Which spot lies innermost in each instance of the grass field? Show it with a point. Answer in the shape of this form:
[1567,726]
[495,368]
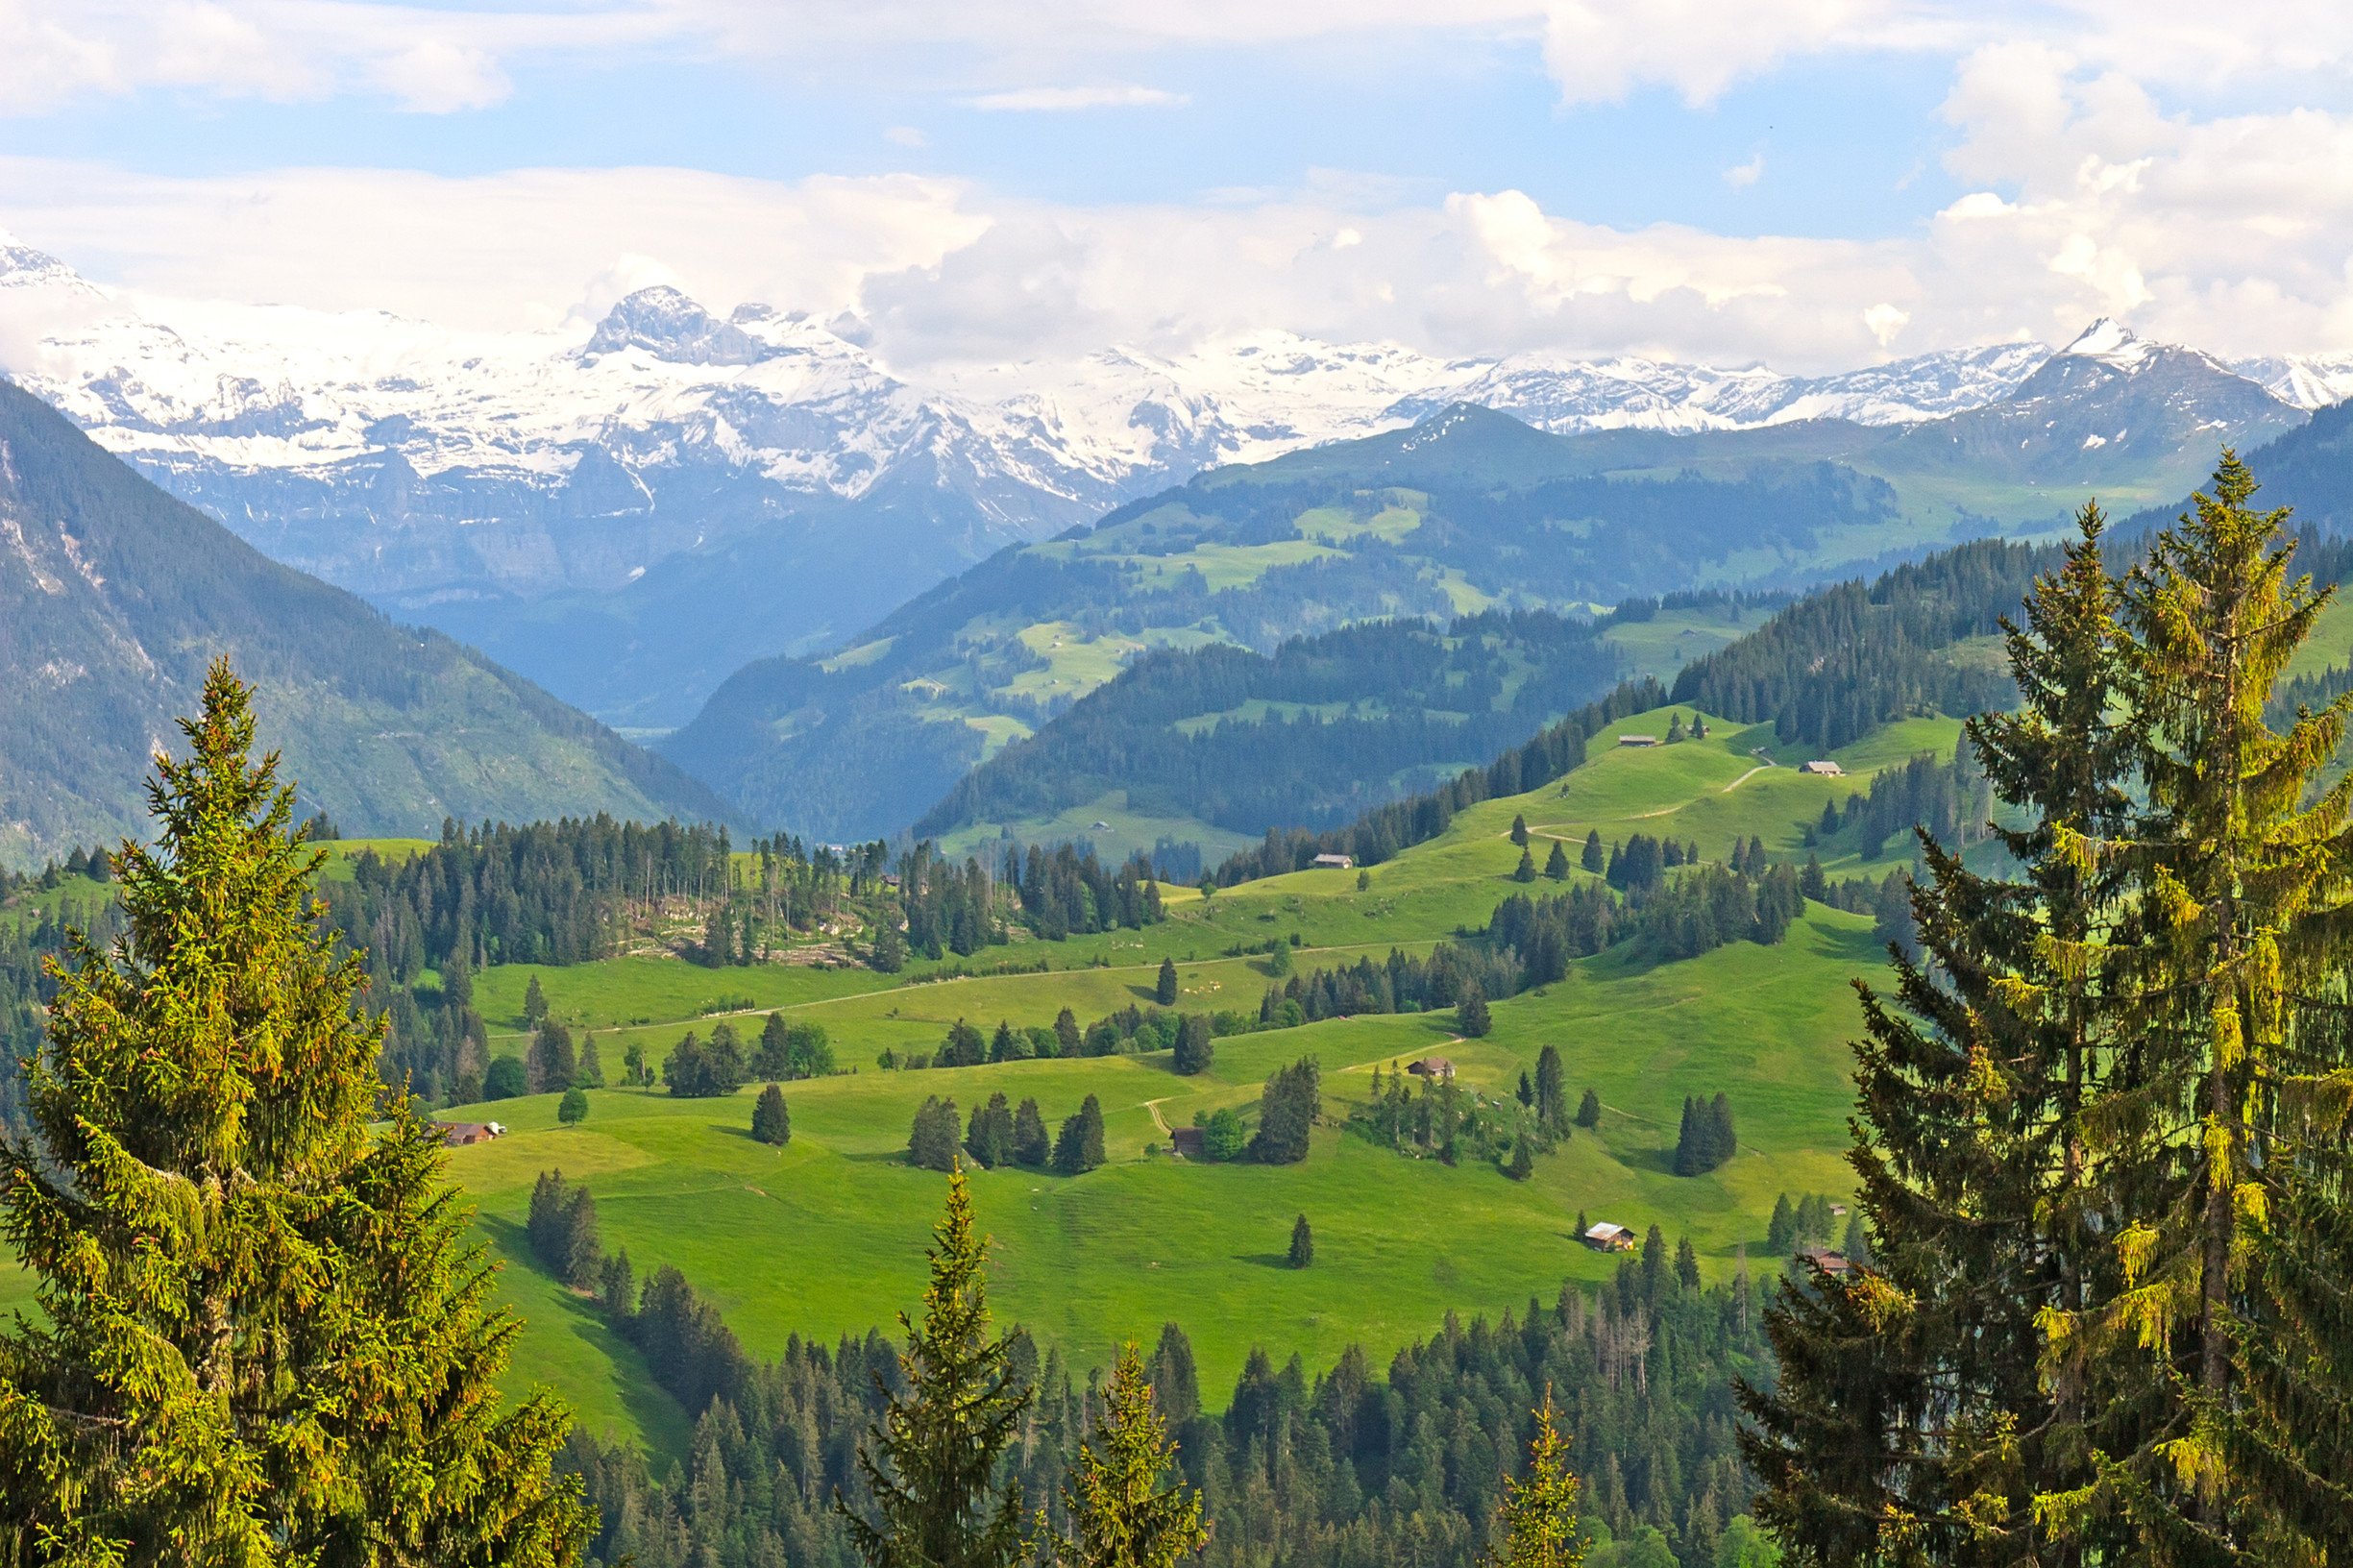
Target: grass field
[826,1236]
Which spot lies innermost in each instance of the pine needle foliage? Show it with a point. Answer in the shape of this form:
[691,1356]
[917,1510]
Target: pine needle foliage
[933,1463]
[1539,1509]
[266,1337]
[2233,965]
[1120,1515]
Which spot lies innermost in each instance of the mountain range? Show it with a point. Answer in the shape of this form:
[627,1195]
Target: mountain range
[114,597]
[630,509]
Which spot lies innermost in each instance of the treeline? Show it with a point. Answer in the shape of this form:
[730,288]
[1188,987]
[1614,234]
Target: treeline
[1684,917]
[1950,801]
[1408,696]
[1838,664]
[1354,1467]
[1400,824]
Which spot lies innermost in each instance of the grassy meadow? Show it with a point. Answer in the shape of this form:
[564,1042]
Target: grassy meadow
[826,1236]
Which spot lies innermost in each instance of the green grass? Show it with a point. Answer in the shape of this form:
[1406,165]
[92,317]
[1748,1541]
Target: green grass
[1125,832]
[827,1237]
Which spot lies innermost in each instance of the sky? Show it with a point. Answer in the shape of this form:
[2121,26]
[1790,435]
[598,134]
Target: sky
[1813,184]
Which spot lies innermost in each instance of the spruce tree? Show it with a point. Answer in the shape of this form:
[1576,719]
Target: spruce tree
[1519,831]
[265,1337]
[1120,1515]
[1471,1015]
[1589,1110]
[1303,1244]
[931,1464]
[1540,1506]
[534,1004]
[772,1120]
[2209,1153]
[1593,859]
[1523,1164]
[1165,990]
[1557,862]
[1078,1147]
[1195,1050]
[1031,1146]
[1526,869]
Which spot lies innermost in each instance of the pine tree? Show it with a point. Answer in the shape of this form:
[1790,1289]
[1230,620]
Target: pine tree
[1540,1506]
[1589,1110]
[2233,961]
[1471,1015]
[265,1335]
[1557,862]
[1195,1050]
[990,1138]
[1527,1090]
[1031,1146]
[1781,1233]
[933,1142]
[1526,869]
[1303,1244]
[1523,1164]
[1165,990]
[1687,1264]
[890,955]
[534,1004]
[1593,859]
[1519,831]
[592,1065]
[1120,1515]
[772,1120]
[931,1464]
[1078,1148]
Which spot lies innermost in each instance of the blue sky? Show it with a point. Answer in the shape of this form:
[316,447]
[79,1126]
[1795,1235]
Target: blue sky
[1809,181]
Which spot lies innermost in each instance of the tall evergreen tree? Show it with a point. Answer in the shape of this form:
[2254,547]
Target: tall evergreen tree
[1557,862]
[1303,1244]
[1120,1514]
[1914,1418]
[1031,1146]
[265,1335]
[932,1462]
[1471,1015]
[1165,990]
[1078,1148]
[1195,1050]
[1594,858]
[2209,1154]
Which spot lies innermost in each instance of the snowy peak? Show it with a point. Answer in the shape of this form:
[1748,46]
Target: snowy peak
[2113,344]
[670,326]
[23,267]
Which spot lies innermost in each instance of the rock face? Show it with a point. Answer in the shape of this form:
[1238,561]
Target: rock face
[629,512]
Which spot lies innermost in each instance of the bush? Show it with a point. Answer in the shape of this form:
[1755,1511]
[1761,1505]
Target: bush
[573,1109]
[1222,1136]
[507,1079]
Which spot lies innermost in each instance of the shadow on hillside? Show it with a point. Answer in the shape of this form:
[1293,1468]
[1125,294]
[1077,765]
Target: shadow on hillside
[1265,1260]
[662,1419]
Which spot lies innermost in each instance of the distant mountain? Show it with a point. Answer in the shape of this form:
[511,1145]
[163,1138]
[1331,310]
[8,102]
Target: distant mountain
[2109,408]
[114,597]
[630,509]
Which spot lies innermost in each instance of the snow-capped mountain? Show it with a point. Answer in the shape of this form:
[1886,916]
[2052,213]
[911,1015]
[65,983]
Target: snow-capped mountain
[2109,409]
[629,509]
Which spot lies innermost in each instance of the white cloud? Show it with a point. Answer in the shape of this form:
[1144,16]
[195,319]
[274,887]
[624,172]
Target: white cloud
[1741,176]
[1886,323]
[906,135]
[1060,99]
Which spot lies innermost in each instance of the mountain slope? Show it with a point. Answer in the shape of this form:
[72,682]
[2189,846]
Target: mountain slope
[114,597]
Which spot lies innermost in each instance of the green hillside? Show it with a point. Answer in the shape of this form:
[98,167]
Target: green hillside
[825,1235]
[114,597]
[1467,512]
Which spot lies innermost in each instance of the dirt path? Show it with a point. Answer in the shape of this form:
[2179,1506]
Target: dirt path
[1158,1121]
[1762,767]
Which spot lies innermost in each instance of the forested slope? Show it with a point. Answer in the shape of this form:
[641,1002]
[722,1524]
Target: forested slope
[113,598]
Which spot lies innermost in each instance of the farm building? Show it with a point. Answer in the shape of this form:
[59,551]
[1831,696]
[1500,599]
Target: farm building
[1825,1260]
[1637,740]
[1341,863]
[1608,1238]
[1822,768]
[457,1134]
[1186,1142]
[1434,1068]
